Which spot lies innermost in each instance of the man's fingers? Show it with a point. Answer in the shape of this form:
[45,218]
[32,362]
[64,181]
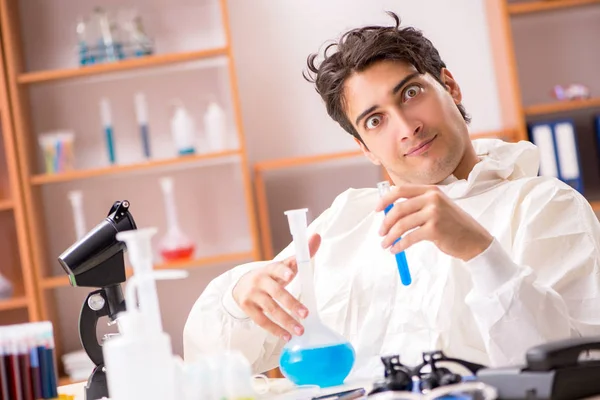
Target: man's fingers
[257,315]
[412,221]
[278,315]
[282,272]
[399,211]
[410,239]
[405,191]
[284,298]
[314,243]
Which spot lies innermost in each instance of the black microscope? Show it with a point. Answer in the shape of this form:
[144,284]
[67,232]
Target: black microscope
[97,261]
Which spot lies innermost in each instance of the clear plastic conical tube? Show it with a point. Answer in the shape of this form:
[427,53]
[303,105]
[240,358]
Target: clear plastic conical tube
[320,356]
[139,247]
[175,245]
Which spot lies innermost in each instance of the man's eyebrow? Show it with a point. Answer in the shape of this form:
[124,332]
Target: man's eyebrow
[365,113]
[394,91]
[404,81]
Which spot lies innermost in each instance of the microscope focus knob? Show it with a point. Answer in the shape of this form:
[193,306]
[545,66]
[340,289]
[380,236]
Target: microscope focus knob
[96,302]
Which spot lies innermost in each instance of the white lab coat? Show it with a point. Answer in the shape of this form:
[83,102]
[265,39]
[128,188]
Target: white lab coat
[538,281]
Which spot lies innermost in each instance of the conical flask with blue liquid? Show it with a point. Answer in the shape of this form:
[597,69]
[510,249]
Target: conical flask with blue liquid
[320,356]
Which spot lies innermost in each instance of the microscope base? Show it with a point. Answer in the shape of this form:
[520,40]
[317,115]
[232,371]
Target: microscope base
[96,387]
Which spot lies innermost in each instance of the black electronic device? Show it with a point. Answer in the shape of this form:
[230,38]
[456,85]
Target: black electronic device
[97,261]
[556,370]
[398,377]
[437,375]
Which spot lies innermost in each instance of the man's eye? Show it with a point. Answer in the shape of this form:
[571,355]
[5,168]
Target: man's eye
[411,92]
[373,122]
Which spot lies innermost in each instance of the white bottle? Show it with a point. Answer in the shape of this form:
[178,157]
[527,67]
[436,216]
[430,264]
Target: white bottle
[139,362]
[215,128]
[183,131]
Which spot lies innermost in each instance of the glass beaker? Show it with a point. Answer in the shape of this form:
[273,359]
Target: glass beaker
[320,356]
[175,245]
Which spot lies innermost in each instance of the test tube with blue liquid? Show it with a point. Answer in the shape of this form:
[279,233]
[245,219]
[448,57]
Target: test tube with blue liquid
[405,278]
[141,113]
[106,116]
[320,356]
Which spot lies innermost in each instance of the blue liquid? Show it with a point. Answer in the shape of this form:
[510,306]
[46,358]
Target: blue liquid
[401,260]
[322,366]
[110,144]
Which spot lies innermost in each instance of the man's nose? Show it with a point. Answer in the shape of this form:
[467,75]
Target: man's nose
[406,128]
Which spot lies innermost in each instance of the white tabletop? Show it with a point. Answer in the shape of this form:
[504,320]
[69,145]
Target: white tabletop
[279,389]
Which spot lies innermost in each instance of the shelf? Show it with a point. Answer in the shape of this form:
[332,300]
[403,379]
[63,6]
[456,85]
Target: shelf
[6,205]
[61,281]
[13,303]
[135,63]
[595,204]
[43,179]
[567,105]
[546,5]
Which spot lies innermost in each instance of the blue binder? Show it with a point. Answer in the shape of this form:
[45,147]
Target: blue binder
[559,151]
[569,164]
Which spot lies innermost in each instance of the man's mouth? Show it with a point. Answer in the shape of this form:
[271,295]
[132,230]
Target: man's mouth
[420,148]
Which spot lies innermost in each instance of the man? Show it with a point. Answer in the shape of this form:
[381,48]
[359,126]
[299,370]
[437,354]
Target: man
[500,258]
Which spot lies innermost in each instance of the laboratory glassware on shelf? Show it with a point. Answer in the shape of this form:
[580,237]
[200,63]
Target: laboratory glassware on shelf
[107,126]
[102,38]
[76,199]
[215,128]
[183,130]
[57,150]
[175,245]
[320,356]
[405,278]
[141,114]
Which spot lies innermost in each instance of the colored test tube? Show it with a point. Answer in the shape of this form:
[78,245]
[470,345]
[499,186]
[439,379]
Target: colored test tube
[108,128]
[405,278]
[25,371]
[13,370]
[36,379]
[4,383]
[141,113]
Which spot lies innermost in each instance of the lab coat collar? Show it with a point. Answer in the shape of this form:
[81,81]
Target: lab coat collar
[499,161]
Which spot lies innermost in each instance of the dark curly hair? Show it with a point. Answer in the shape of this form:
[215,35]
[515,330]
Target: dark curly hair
[360,48]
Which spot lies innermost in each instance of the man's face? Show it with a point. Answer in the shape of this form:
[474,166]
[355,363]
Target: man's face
[409,122]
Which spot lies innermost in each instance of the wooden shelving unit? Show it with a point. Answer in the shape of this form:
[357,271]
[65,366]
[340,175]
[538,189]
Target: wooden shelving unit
[6,205]
[546,5]
[126,65]
[540,109]
[16,265]
[14,303]
[501,20]
[43,280]
[43,179]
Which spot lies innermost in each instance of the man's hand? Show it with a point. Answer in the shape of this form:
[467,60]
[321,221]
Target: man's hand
[258,293]
[431,216]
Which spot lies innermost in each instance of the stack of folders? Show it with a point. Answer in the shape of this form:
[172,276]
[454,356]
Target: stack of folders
[559,155]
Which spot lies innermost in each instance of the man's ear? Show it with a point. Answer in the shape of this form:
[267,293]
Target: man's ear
[451,85]
[367,152]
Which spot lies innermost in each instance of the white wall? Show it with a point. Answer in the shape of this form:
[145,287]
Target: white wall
[283,115]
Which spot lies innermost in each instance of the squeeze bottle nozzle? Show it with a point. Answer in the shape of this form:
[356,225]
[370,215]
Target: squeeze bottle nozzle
[138,242]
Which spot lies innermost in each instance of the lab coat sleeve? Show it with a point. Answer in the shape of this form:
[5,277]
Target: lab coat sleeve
[547,286]
[217,323]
